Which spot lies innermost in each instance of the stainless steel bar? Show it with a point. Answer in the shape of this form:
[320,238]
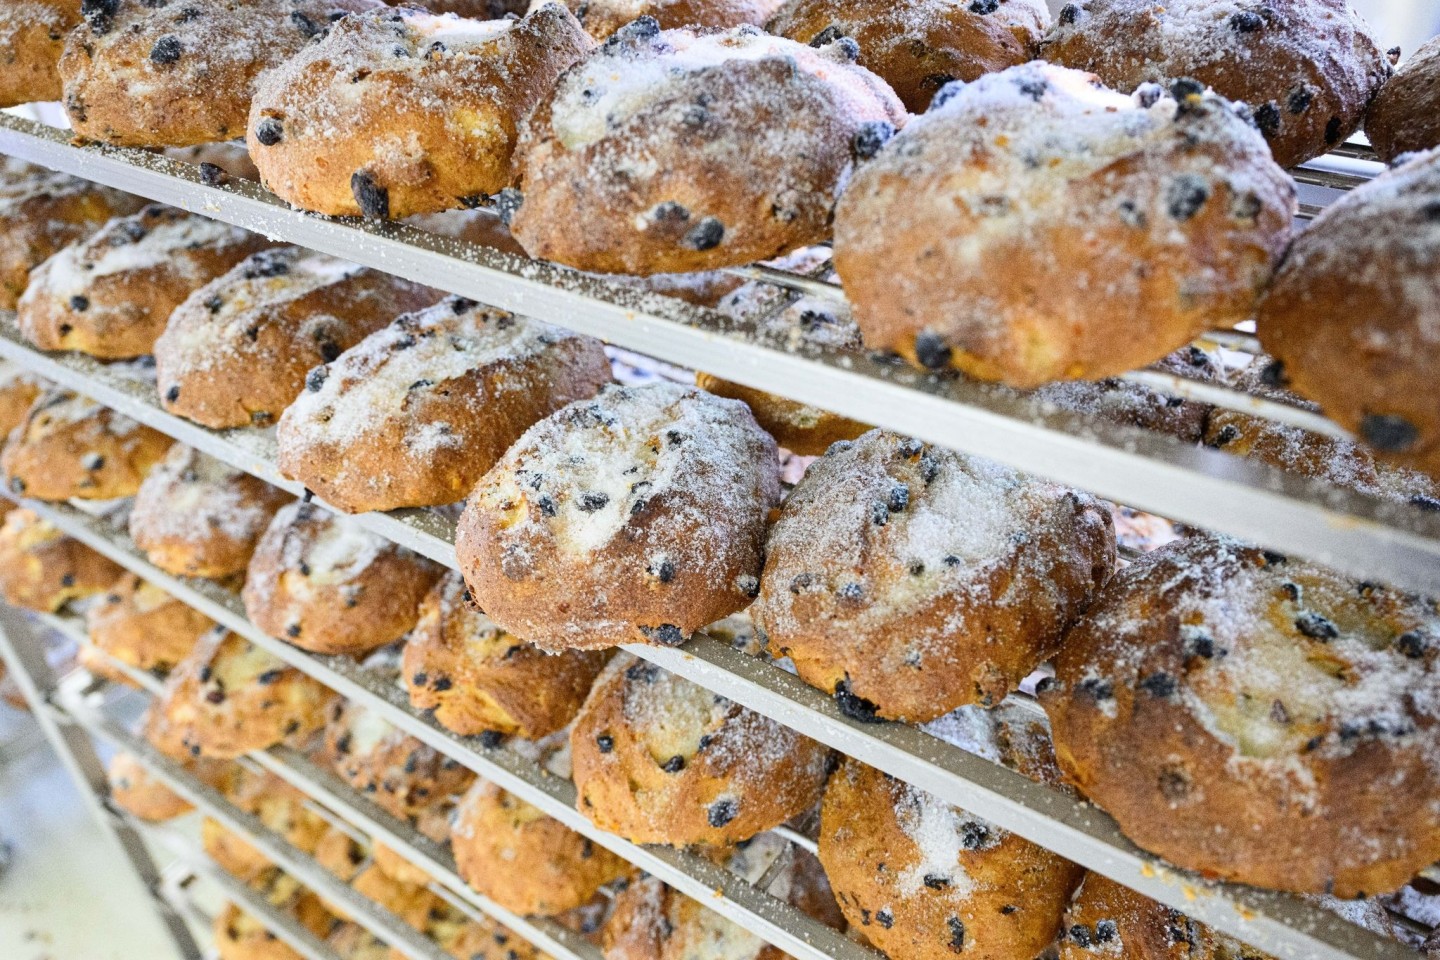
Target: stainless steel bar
[1287,927]
[1360,535]
[1231,399]
[24,656]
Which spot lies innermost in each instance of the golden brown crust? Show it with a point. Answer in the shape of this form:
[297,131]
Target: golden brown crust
[651,144]
[798,427]
[417,412]
[1155,220]
[237,351]
[32,36]
[111,295]
[910,580]
[396,866]
[495,833]
[70,446]
[412,904]
[396,771]
[474,677]
[140,75]
[601,18]
[132,788]
[658,759]
[140,624]
[240,936]
[324,584]
[282,810]
[924,880]
[1405,116]
[1354,313]
[230,697]
[653,922]
[19,389]
[1309,68]
[918,46]
[44,212]
[638,516]
[197,517]
[1117,922]
[351,126]
[1137,405]
[43,569]
[1255,718]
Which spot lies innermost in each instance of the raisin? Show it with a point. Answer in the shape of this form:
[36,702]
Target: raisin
[1267,118]
[1246,21]
[957,933]
[1300,100]
[1069,14]
[167,50]
[932,351]
[667,635]
[973,835]
[722,812]
[885,918]
[705,235]
[945,94]
[1388,432]
[674,765]
[1096,689]
[373,199]
[316,378]
[1185,195]
[1316,627]
[855,707]
[827,36]
[983,7]
[605,743]
[936,882]
[1412,645]
[269,131]
[1159,684]
[507,204]
[592,501]
[79,304]
[308,28]
[871,136]
[211,175]
[490,739]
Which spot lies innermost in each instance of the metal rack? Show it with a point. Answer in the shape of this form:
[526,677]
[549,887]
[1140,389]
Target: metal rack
[1361,535]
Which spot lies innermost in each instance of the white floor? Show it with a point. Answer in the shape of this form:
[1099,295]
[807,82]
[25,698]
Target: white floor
[68,893]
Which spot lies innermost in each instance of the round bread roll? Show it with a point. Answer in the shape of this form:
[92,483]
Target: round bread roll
[110,295]
[401,111]
[340,854]
[680,151]
[1309,68]
[1253,718]
[230,697]
[459,936]
[638,516]
[1343,463]
[396,771]
[156,75]
[327,585]
[19,389]
[396,866]
[140,624]
[70,446]
[43,569]
[1405,116]
[240,936]
[417,412]
[926,880]
[910,580]
[279,807]
[412,904]
[496,833]
[1136,405]
[1115,921]
[658,759]
[44,212]
[601,18]
[1354,313]
[32,34]
[918,46]
[1165,217]
[195,516]
[476,678]
[133,789]
[236,353]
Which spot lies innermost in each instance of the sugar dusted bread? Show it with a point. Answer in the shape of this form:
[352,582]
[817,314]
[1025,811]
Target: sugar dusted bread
[140,624]
[415,413]
[43,569]
[601,18]
[637,516]
[1405,116]
[401,774]
[1143,220]
[237,351]
[32,34]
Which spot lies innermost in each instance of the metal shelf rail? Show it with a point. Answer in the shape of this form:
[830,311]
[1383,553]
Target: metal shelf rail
[1361,535]
[1288,927]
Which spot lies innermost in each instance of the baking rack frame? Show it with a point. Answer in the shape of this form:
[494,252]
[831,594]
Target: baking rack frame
[1358,534]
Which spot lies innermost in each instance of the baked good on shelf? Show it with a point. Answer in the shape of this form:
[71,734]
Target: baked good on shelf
[19,389]
[1112,920]
[411,903]
[1137,405]
[231,697]
[1405,116]
[524,860]
[918,46]
[392,768]
[281,808]
[923,879]
[601,18]
[133,789]
[467,939]
[685,151]
[44,212]
[1257,718]
[143,74]
[43,569]
[1354,313]
[401,111]
[240,936]
[340,854]
[32,34]
[196,516]
[140,624]
[110,295]
[416,412]
[1165,217]
[71,446]
[396,866]
[1343,463]
[322,582]
[638,516]
[1308,68]
[658,759]
[475,677]
[909,580]
[236,353]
